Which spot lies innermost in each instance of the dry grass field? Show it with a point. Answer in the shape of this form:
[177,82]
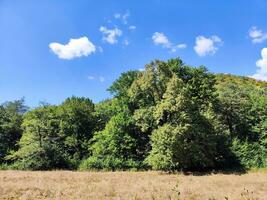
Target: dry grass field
[67,185]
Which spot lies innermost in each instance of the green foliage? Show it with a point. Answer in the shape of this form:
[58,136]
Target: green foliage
[120,86]
[250,155]
[168,117]
[10,126]
[185,138]
[242,108]
[105,110]
[56,136]
[77,125]
[39,147]
[114,147]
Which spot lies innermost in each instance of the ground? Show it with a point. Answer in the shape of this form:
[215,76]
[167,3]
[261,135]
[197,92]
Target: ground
[68,185]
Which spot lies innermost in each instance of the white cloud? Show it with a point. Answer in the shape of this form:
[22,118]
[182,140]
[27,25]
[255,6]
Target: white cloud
[101,79]
[123,17]
[117,15]
[257,35]
[181,46]
[132,28]
[100,49]
[261,73]
[75,48]
[110,35]
[162,40]
[98,78]
[207,46]
[126,42]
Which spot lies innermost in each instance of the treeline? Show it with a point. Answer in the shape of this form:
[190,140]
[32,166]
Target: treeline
[168,117]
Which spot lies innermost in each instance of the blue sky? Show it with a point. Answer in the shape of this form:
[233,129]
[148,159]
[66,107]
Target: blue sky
[53,49]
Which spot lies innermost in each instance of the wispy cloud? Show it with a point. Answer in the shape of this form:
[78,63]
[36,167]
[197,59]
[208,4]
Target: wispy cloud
[126,42]
[117,34]
[117,15]
[75,48]
[123,17]
[91,77]
[101,79]
[132,28]
[100,49]
[162,40]
[98,78]
[110,35]
[261,73]
[207,46]
[257,35]
[181,46]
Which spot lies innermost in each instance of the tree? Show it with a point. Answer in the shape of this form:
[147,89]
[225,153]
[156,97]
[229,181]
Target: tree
[56,136]
[115,147]
[105,110]
[10,126]
[40,147]
[172,98]
[120,86]
[168,117]
[78,122]
[242,108]
[185,138]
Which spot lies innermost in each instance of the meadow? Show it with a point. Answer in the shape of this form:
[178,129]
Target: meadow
[69,185]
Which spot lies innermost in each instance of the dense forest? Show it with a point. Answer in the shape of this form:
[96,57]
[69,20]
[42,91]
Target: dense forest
[168,117]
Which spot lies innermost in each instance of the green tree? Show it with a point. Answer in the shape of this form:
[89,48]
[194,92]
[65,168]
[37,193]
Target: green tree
[242,108]
[185,138]
[168,117]
[106,109]
[119,87]
[40,147]
[56,136]
[10,126]
[77,124]
[115,147]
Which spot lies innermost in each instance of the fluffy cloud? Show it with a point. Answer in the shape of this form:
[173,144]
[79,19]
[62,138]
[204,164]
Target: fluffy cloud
[162,40]
[207,46]
[75,48]
[257,35]
[110,35]
[261,73]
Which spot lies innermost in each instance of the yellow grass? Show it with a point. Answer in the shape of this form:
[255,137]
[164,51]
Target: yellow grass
[67,185]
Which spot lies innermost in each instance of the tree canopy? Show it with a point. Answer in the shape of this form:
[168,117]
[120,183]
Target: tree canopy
[170,117]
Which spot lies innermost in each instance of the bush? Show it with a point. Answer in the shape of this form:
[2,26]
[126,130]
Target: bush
[250,155]
[108,163]
[45,158]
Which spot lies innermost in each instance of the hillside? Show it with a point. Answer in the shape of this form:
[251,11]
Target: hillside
[243,80]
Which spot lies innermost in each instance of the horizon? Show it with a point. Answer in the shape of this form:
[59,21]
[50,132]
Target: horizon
[53,50]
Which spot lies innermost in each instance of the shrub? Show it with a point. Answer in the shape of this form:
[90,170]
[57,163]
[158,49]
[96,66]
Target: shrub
[250,155]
